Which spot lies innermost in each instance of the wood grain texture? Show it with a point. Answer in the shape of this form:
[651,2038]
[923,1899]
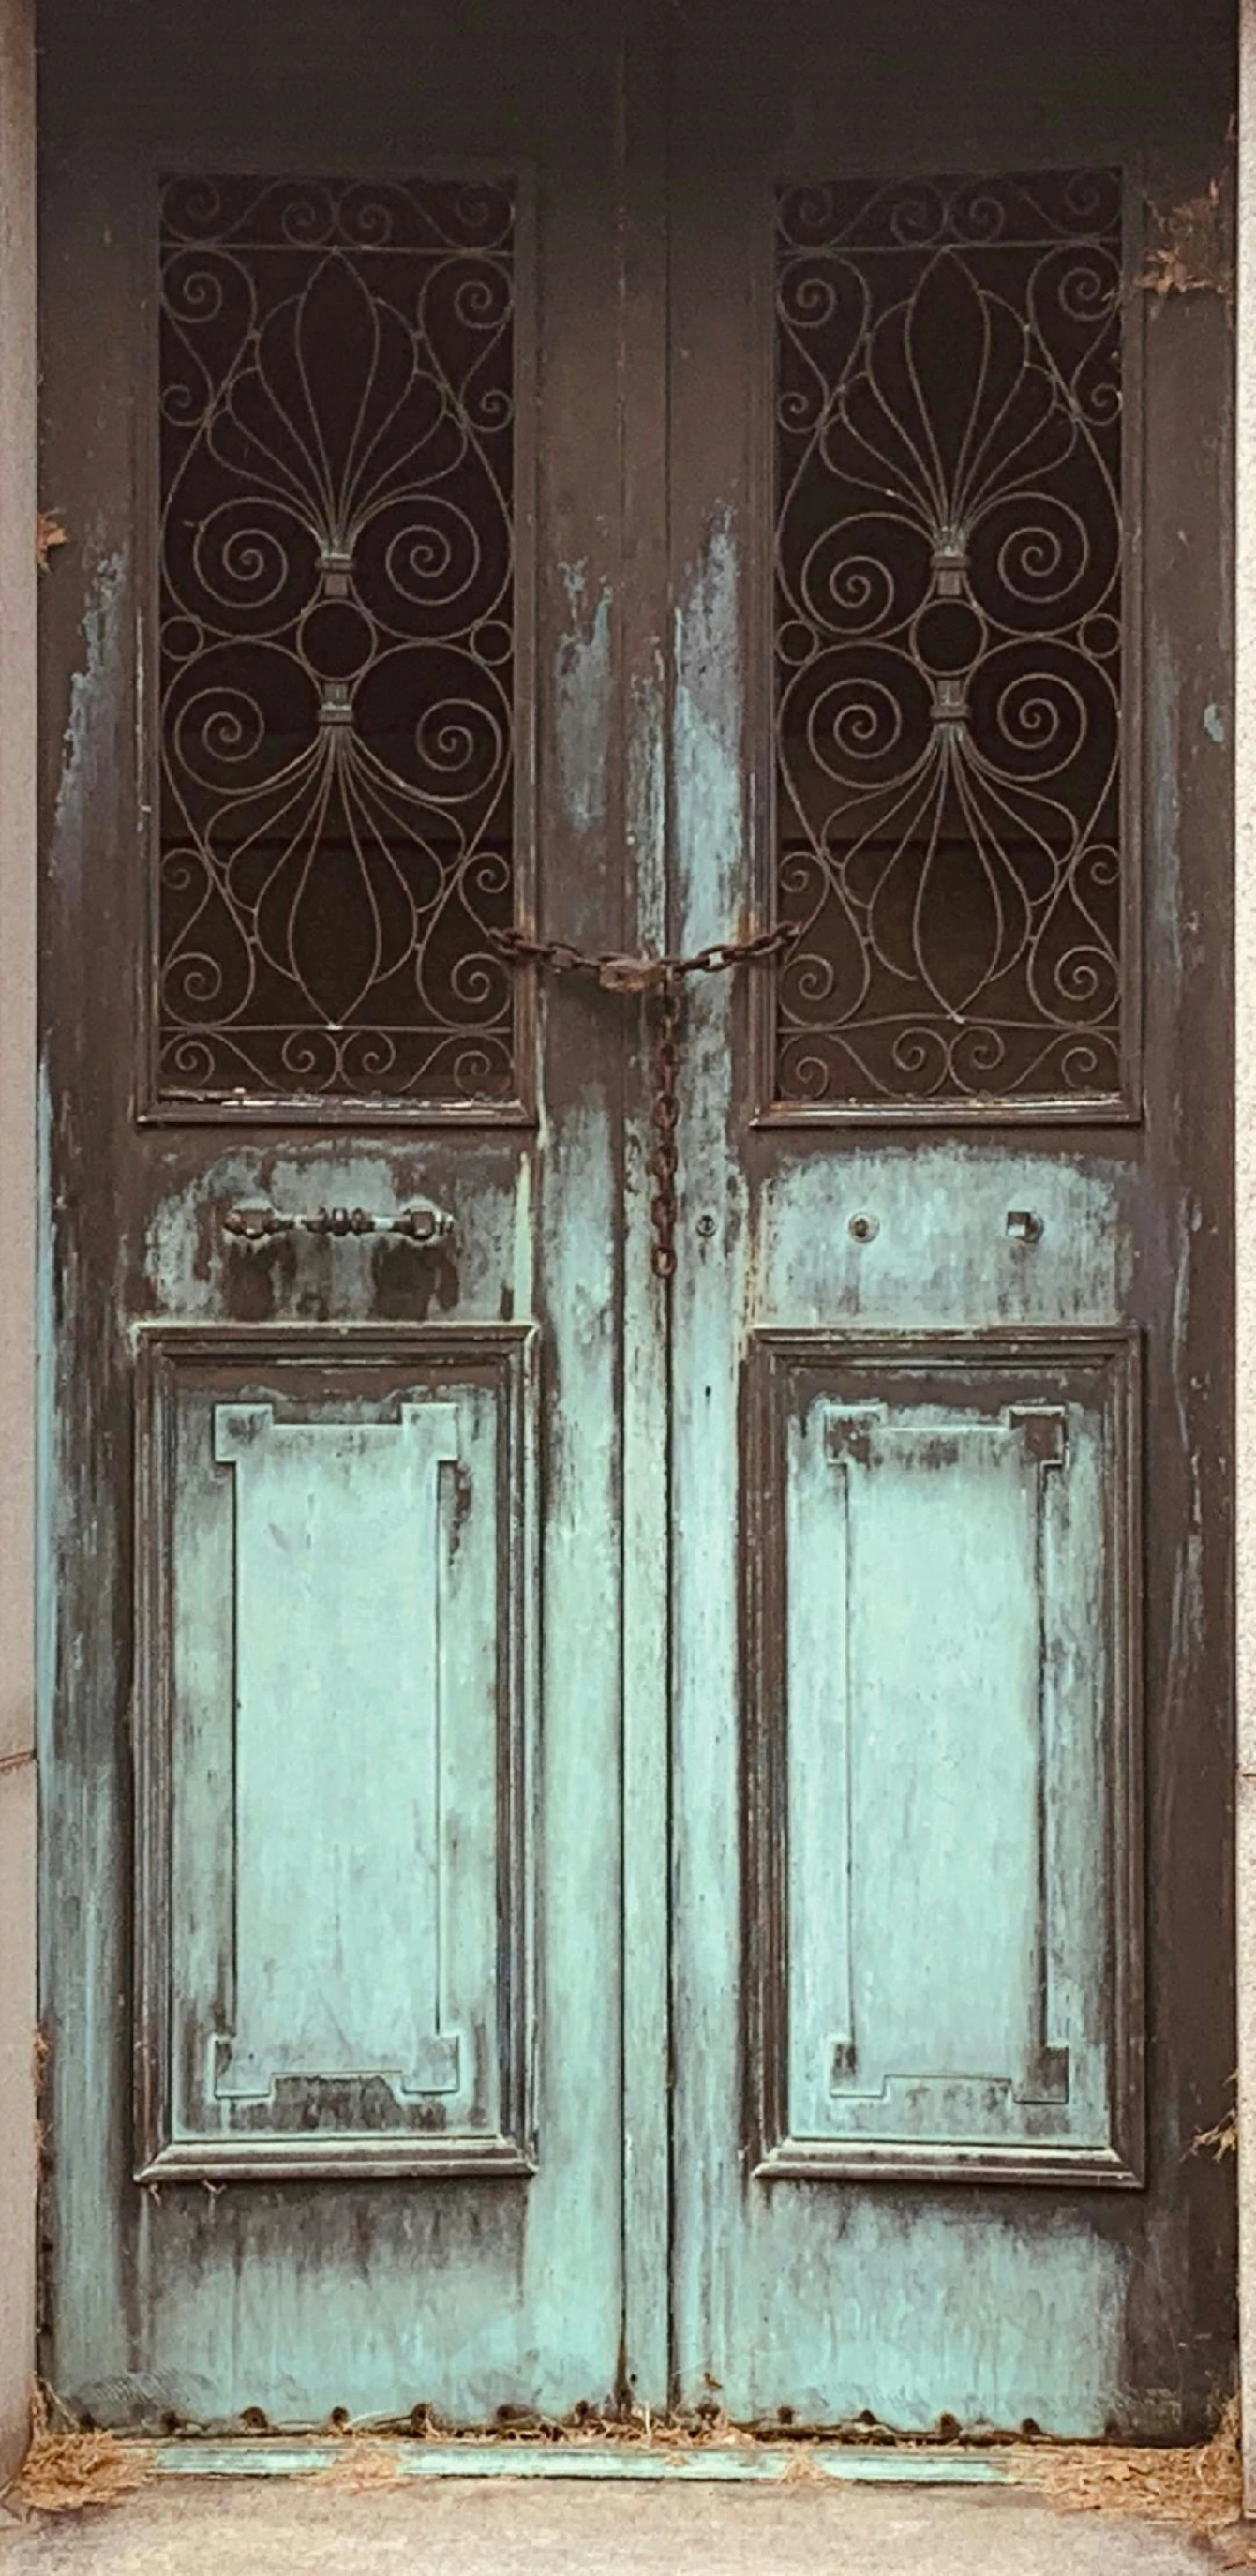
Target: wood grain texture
[943,1733]
[956,2295]
[195,2294]
[336,1731]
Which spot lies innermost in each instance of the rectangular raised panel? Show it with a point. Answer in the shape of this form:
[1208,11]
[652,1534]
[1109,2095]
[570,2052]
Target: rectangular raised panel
[942,1767]
[342,1563]
[333,1539]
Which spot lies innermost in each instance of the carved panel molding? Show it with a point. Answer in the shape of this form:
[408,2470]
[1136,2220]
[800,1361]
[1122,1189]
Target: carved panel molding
[340,601]
[943,1933]
[336,1700]
[954,648]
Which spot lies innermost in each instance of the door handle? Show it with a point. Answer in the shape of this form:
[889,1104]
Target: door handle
[421,1223]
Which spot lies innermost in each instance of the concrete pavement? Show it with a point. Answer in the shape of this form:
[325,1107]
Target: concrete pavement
[509,2527]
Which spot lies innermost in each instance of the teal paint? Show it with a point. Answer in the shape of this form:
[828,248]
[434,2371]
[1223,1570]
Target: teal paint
[583,681]
[835,2296]
[941,1256]
[945,1628]
[708,784]
[190,1268]
[709,2465]
[829,2297]
[82,1924]
[343,1557]
[94,691]
[644,1929]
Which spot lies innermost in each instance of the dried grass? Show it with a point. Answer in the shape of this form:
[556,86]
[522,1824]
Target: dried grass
[68,2471]
[633,2427]
[1202,2487]
[71,2471]
[365,2463]
[801,2469]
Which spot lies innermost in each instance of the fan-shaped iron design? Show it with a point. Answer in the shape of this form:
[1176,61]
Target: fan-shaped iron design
[337,640]
[949,640]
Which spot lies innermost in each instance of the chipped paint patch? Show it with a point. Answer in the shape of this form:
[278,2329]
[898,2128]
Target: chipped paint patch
[92,699]
[647,802]
[941,1252]
[1214,723]
[187,1250]
[707,734]
[1194,254]
[1164,889]
[583,686]
[1186,1627]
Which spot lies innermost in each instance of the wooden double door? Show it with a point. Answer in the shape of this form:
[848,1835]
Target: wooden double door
[636,1556]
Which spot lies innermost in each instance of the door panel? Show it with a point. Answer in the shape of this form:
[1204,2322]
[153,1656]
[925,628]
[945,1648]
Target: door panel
[357,1583]
[950,1305]
[942,1741]
[608,1838]
[333,1825]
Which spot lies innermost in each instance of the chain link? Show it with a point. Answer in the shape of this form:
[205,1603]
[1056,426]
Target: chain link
[662,976]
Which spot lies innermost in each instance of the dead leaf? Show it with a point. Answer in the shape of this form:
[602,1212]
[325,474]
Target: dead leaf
[68,2471]
[1202,2487]
[48,533]
[1193,254]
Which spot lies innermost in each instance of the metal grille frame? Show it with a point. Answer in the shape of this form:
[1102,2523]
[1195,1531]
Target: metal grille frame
[245,1107]
[768,1103]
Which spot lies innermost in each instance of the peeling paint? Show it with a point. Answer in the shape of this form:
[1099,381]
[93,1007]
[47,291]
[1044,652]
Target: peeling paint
[1195,253]
[646,803]
[583,689]
[187,1254]
[1186,1633]
[1164,746]
[941,1254]
[93,694]
[707,724]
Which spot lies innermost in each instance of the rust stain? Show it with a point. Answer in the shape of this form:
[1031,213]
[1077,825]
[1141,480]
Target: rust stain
[1194,254]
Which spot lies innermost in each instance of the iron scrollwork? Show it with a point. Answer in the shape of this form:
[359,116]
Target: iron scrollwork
[337,584]
[948,642]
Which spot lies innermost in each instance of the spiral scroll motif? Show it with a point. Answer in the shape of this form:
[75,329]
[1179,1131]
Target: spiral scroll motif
[337,679]
[948,589]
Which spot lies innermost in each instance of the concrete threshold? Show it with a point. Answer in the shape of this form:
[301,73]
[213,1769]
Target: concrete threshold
[319,2524]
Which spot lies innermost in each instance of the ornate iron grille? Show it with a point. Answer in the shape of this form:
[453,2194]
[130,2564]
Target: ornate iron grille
[948,643]
[337,640]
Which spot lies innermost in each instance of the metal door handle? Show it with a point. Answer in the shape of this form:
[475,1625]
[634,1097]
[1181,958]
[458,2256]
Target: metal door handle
[421,1223]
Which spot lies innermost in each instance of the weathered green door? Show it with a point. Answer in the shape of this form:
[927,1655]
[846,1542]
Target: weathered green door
[334,1820]
[951,1707]
[637,1723]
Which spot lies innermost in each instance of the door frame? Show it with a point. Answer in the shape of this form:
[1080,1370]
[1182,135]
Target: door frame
[20,1298]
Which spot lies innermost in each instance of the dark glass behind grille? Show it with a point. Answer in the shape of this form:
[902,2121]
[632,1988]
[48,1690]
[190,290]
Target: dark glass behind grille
[337,639]
[949,639]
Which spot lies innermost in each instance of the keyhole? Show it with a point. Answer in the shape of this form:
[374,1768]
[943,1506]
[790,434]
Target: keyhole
[1024,1225]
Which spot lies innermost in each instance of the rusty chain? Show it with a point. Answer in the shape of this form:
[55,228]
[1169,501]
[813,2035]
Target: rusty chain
[663,976]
